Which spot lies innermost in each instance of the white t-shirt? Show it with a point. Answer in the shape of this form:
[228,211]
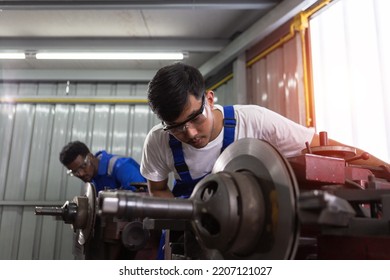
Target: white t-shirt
[252,121]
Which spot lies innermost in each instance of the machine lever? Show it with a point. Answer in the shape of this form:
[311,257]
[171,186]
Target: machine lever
[363,156]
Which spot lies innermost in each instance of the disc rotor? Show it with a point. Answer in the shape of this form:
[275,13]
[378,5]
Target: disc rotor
[86,232]
[277,181]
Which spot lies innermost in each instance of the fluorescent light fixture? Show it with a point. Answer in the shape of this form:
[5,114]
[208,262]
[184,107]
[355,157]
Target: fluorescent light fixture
[112,56]
[12,56]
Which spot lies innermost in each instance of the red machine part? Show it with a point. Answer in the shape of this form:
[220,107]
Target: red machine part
[366,188]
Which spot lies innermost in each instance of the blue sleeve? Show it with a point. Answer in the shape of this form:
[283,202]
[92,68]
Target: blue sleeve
[127,171]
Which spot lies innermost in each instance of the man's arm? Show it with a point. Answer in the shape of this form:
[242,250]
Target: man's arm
[127,172]
[159,189]
[373,161]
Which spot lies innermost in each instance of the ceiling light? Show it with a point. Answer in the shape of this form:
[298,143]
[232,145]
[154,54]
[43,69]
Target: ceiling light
[12,56]
[113,56]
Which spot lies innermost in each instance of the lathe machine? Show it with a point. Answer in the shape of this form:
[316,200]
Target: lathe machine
[256,204]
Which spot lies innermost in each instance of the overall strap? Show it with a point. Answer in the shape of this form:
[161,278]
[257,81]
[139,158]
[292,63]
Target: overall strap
[229,124]
[178,158]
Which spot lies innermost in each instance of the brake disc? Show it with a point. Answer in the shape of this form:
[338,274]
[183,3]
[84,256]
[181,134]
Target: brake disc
[279,239]
[85,233]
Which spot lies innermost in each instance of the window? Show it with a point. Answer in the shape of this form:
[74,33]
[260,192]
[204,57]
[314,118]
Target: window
[351,59]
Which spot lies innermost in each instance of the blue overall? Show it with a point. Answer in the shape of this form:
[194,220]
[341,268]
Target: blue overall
[116,172]
[185,185]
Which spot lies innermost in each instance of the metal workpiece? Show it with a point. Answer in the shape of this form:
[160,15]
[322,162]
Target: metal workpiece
[67,212]
[277,182]
[73,212]
[128,205]
[229,213]
[245,209]
[226,211]
[80,213]
[52,211]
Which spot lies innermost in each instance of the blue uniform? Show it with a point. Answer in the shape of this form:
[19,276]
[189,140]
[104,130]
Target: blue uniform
[116,172]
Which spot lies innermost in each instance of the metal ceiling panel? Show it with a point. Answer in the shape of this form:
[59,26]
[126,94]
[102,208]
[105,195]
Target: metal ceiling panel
[199,28]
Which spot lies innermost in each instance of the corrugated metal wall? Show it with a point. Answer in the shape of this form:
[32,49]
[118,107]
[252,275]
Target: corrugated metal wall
[224,94]
[32,135]
[276,81]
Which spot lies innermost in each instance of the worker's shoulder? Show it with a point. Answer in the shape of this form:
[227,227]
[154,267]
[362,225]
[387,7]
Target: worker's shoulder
[248,110]
[157,135]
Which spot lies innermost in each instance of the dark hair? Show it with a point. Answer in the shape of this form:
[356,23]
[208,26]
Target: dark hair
[169,89]
[71,150]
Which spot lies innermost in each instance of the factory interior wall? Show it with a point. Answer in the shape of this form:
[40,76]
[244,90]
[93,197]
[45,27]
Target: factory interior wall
[274,76]
[32,135]
[276,81]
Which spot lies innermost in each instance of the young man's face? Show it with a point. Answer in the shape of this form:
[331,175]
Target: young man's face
[82,168]
[195,124]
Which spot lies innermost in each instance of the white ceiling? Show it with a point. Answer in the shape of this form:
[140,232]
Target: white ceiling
[211,32]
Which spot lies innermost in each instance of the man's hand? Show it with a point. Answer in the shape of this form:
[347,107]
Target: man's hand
[159,189]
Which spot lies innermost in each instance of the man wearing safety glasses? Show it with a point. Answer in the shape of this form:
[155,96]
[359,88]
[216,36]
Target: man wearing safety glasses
[103,170]
[194,131]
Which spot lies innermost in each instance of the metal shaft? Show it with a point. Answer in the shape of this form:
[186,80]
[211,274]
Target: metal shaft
[126,205]
[49,211]
[67,212]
